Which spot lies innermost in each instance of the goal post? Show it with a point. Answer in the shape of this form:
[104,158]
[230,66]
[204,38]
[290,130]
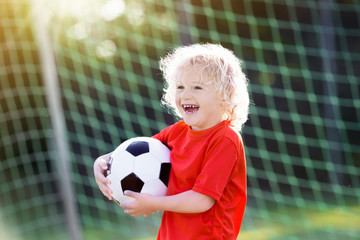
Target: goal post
[53,100]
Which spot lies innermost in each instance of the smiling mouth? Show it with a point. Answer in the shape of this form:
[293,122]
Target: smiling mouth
[190,108]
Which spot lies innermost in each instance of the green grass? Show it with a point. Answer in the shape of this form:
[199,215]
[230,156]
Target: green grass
[307,224]
[304,224]
[285,224]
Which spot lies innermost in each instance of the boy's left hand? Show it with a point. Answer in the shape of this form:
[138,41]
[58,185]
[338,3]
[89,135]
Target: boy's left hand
[141,206]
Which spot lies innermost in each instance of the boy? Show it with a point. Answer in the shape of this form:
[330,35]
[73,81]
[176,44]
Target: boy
[207,187]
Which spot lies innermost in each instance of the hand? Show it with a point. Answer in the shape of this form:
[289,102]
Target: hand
[141,206]
[186,202]
[100,168]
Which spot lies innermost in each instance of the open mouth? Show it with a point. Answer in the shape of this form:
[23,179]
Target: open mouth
[190,108]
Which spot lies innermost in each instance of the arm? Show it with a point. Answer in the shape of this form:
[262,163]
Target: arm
[100,167]
[186,202]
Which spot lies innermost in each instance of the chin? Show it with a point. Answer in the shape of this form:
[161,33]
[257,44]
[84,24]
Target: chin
[190,123]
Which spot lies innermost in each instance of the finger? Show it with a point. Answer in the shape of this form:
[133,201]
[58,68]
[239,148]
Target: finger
[131,194]
[108,196]
[125,206]
[101,178]
[131,213]
[102,181]
[103,164]
[106,192]
[148,214]
[104,188]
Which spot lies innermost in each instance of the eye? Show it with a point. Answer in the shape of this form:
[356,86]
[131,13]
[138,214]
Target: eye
[179,87]
[198,88]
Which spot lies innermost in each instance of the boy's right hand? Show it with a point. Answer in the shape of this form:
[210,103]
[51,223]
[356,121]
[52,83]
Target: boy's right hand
[100,168]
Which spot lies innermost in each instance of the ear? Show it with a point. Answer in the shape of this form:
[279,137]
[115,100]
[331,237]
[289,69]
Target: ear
[225,109]
[224,104]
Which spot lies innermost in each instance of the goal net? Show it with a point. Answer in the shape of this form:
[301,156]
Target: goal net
[79,77]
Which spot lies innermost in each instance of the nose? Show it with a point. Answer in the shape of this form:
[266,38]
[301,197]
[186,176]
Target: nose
[186,94]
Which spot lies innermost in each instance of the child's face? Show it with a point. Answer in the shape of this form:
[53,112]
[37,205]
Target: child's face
[197,101]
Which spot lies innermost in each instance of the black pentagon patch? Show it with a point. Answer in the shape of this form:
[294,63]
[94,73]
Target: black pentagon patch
[138,147]
[165,173]
[132,182]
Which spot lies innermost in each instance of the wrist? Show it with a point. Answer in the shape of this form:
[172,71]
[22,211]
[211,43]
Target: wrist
[157,203]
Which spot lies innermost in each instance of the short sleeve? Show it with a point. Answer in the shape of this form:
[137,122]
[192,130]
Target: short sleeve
[217,169]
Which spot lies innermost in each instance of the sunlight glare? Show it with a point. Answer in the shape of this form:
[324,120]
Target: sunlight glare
[136,17]
[106,49]
[112,9]
[79,31]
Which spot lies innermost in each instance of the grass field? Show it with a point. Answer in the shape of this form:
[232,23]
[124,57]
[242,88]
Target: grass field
[286,224]
[305,224]
[340,223]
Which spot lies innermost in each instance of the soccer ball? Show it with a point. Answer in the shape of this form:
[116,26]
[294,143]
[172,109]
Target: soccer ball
[140,164]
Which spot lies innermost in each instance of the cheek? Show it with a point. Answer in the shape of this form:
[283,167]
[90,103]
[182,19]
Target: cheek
[177,101]
[177,98]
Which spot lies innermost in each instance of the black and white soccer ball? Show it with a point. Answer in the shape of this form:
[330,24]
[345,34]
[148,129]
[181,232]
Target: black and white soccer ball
[140,164]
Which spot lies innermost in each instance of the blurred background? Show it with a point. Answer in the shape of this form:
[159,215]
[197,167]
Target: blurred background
[78,77]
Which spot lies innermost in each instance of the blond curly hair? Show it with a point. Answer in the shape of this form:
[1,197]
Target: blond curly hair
[222,67]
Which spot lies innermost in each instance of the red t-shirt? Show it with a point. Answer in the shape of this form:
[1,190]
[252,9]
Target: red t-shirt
[211,162]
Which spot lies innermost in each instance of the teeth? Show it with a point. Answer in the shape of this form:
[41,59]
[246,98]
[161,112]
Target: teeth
[189,106]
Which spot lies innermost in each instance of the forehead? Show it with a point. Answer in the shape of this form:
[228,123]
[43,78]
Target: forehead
[195,74]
